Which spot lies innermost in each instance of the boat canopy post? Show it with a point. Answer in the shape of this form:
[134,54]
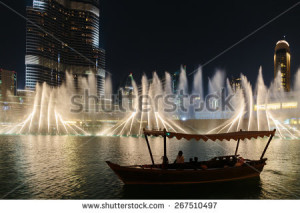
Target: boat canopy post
[165,147]
[149,148]
[262,155]
[237,146]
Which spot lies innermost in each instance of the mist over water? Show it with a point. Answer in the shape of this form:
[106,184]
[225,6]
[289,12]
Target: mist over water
[252,107]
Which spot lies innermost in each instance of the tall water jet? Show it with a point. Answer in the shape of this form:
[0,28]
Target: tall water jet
[182,92]
[216,84]
[183,82]
[249,99]
[168,84]
[198,84]
[144,114]
[261,100]
[108,87]
[229,88]
[107,102]
[296,86]
[197,94]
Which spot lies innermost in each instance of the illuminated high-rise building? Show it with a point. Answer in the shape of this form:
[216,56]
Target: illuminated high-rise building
[63,36]
[282,64]
[8,83]
[236,84]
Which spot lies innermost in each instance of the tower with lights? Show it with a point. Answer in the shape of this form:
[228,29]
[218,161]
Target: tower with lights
[282,64]
[63,36]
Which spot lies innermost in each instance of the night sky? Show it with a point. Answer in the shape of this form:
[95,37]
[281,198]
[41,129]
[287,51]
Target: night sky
[160,35]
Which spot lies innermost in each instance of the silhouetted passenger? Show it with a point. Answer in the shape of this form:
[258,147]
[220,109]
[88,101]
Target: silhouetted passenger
[240,161]
[165,160]
[179,158]
[203,166]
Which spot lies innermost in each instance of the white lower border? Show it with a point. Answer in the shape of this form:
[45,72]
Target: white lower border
[245,206]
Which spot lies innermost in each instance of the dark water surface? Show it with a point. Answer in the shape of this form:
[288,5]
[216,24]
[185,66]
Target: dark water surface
[70,167]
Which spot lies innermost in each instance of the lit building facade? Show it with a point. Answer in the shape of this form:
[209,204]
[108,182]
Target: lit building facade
[8,82]
[282,64]
[63,36]
[236,84]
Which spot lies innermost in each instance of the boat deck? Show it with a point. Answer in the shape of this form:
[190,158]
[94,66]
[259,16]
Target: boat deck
[215,163]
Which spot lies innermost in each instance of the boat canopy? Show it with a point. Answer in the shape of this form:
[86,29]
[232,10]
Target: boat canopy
[241,135]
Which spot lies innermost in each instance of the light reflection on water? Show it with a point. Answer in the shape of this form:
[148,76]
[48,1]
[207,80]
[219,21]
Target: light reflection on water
[69,167]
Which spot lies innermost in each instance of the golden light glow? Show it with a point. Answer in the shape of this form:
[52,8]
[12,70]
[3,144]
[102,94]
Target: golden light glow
[273,106]
[277,106]
[259,107]
[290,105]
[70,122]
[293,121]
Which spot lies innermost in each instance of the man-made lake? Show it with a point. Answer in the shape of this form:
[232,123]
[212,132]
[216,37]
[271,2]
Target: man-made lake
[70,167]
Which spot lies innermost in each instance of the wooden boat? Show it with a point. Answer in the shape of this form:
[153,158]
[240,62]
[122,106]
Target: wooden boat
[221,168]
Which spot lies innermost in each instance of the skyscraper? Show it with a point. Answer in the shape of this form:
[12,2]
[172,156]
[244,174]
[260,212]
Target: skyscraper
[8,82]
[63,36]
[236,84]
[282,63]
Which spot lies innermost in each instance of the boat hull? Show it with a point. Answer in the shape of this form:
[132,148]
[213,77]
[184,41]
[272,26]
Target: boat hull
[140,175]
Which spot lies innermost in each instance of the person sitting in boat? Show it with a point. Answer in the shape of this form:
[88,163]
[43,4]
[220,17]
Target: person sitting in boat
[240,161]
[196,159]
[165,160]
[203,166]
[179,158]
